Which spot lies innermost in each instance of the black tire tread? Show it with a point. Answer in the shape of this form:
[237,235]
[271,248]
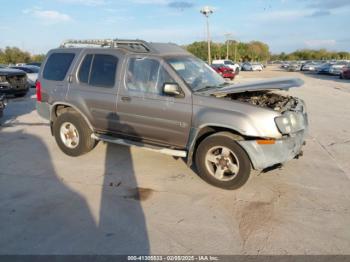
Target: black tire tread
[227,139]
[86,143]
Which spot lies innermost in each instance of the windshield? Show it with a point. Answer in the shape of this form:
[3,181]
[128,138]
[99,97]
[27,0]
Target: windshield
[197,74]
[228,62]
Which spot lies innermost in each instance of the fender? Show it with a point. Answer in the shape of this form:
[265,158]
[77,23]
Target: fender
[195,134]
[72,106]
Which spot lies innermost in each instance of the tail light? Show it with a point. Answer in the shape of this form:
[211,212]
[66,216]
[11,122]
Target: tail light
[38,91]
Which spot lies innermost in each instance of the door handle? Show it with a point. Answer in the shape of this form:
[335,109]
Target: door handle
[126,98]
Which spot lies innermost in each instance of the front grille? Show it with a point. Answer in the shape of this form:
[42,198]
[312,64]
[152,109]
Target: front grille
[17,80]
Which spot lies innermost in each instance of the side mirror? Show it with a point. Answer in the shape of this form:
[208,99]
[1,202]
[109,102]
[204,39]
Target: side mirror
[172,89]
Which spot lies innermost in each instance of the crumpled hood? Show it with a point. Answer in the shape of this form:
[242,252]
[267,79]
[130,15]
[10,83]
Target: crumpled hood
[10,71]
[270,84]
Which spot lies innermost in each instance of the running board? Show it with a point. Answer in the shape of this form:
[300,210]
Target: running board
[125,142]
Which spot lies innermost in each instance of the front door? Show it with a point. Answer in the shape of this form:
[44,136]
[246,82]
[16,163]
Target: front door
[145,112]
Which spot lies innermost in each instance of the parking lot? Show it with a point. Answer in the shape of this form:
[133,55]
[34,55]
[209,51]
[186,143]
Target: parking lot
[120,200]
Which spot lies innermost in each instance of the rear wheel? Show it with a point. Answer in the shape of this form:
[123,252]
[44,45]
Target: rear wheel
[221,162]
[72,134]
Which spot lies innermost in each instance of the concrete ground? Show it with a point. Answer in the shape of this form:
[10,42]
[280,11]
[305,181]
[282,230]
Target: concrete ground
[117,200]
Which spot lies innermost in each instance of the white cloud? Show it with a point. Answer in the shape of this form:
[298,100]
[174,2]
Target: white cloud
[85,2]
[48,16]
[156,2]
[282,15]
[319,43]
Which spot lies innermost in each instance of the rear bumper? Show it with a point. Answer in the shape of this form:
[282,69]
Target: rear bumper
[43,110]
[263,156]
[228,75]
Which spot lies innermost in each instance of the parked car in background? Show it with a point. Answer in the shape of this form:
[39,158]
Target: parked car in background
[284,65]
[324,68]
[31,71]
[34,64]
[13,82]
[294,67]
[345,74]
[224,71]
[234,66]
[337,68]
[251,67]
[2,104]
[309,66]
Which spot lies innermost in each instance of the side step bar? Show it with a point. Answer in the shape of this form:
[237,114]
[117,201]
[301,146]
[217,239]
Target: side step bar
[125,142]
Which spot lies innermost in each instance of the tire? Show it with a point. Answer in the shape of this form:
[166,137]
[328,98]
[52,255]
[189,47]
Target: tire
[82,142]
[211,146]
[341,76]
[237,71]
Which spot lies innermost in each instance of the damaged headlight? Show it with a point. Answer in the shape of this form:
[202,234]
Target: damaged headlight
[290,122]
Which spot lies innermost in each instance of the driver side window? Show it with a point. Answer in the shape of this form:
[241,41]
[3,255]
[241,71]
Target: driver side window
[146,75]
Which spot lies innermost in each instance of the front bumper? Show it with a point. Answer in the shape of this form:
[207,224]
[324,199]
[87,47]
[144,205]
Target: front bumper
[6,88]
[263,156]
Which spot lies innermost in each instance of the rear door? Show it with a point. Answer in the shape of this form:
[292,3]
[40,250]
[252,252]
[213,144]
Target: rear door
[93,88]
[55,74]
[145,112]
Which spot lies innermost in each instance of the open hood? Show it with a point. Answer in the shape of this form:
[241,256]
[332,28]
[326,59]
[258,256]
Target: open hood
[270,84]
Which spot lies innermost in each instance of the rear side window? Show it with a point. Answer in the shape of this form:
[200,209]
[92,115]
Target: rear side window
[98,70]
[85,69]
[57,66]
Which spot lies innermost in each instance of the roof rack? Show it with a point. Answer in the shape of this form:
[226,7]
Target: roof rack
[139,46]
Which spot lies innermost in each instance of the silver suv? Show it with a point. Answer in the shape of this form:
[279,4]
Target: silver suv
[162,98]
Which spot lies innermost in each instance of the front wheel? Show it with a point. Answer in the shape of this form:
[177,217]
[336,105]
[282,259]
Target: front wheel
[221,162]
[72,134]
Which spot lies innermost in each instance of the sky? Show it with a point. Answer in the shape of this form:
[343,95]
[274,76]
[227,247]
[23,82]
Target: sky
[285,25]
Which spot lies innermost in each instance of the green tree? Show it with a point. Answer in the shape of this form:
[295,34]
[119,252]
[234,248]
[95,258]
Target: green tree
[13,55]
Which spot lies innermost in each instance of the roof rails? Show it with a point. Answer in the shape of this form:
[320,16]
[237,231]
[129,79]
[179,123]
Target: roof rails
[138,46]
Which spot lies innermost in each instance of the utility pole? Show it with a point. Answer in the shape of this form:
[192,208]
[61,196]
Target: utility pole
[236,43]
[228,36]
[206,11]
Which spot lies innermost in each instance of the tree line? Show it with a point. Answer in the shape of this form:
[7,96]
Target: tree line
[259,51]
[309,54]
[14,55]
[237,51]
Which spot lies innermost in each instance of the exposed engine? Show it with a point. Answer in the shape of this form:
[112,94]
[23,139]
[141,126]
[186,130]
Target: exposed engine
[266,99]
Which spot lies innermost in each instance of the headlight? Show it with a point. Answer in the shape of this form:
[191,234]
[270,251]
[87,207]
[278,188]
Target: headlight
[283,124]
[2,79]
[290,122]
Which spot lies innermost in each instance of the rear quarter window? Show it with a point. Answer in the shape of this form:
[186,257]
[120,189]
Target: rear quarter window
[57,66]
[103,70]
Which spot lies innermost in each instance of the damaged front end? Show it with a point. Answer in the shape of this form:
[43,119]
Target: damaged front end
[293,116]
[291,120]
